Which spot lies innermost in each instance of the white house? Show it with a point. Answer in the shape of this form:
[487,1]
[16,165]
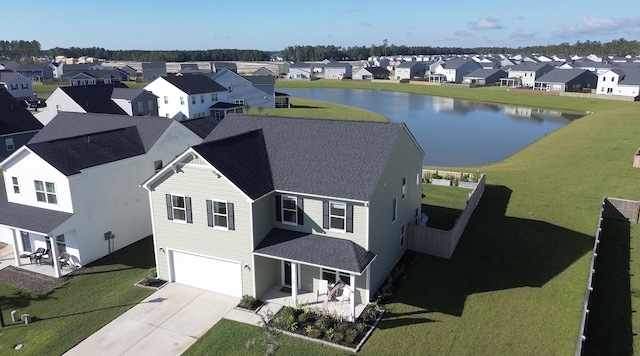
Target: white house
[624,82]
[75,187]
[187,97]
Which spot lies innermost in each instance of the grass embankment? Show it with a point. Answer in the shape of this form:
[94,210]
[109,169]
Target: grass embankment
[516,282]
[74,310]
[306,108]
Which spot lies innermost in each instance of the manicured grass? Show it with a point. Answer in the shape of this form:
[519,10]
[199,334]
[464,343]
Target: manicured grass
[443,205]
[307,108]
[45,90]
[516,282]
[76,309]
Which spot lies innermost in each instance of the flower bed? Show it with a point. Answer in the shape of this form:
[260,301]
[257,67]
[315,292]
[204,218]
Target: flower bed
[329,328]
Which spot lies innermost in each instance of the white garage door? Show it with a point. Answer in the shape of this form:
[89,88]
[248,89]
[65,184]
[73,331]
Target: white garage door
[207,273]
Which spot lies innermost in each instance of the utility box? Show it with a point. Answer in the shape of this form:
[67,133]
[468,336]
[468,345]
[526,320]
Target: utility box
[14,316]
[26,319]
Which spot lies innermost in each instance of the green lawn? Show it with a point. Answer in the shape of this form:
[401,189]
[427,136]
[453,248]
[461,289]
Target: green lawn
[74,310]
[44,90]
[516,282]
[443,205]
[307,108]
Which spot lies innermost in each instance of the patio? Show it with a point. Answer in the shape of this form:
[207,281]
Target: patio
[46,267]
[277,297]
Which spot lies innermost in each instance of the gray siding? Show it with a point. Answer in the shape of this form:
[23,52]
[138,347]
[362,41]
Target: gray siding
[201,184]
[267,274]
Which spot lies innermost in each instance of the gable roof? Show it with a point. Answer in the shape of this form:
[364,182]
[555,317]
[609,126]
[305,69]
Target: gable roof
[331,158]
[527,66]
[95,98]
[128,93]
[29,218]
[457,63]
[71,124]
[260,79]
[377,70]
[262,71]
[14,117]
[253,176]
[485,73]
[194,84]
[73,154]
[558,75]
[7,75]
[318,250]
[407,64]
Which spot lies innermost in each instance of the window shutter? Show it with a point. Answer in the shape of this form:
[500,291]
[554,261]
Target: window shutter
[300,211]
[349,217]
[210,213]
[187,204]
[169,207]
[231,218]
[278,207]
[325,214]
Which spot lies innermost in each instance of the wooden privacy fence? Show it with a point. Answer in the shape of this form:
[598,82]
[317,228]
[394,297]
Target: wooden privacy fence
[442,243]
[611,208]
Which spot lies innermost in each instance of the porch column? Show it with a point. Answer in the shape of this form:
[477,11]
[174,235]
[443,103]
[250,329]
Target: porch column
[54,257]
[16,254]
[294,283]
[352,300]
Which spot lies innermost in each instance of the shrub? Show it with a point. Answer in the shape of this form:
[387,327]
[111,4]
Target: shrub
[290,322]
[370,312]
[329,334]
[286,311]
[342,327]
[314,333]
[338,336]
[350,336]
[247,301]
[303,317]
[360,327]
[323,322]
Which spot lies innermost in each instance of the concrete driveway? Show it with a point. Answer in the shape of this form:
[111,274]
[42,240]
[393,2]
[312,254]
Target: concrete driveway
[168,322]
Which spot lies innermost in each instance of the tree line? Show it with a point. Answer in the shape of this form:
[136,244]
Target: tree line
[27,51]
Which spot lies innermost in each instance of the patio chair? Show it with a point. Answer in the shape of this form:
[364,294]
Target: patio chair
[323,289]
[37,255]
[346,295]
[44,255]
[65,260]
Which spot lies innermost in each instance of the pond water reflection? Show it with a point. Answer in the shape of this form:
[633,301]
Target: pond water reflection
[452,132]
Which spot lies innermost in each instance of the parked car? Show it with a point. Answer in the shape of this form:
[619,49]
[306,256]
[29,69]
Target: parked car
[37,103]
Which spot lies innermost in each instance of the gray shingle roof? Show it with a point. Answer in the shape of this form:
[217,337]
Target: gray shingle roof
[95,98]
[71,155]
[195,84]
[253,176]
[377,70]
[484,73]
[14,117]
[261,79]
[332,158]
[557,75]
[126,93]
[201,126]
[71,124]
[335,253]
[27,217]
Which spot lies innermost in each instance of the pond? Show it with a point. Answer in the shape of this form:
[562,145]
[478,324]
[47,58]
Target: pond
[452,132]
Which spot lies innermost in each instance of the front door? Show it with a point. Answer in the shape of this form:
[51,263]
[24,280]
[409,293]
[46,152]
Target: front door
[287,273]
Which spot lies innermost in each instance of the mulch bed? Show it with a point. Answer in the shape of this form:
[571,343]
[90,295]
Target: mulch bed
[32,281]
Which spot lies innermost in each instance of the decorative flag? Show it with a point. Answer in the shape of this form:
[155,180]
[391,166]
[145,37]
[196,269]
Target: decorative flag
[339,285]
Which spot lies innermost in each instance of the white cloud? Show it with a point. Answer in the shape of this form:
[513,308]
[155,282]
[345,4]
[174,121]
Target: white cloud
[524,34]
[487,23]
[595,25]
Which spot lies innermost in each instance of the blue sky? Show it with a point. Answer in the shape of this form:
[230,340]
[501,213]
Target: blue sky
[274,25]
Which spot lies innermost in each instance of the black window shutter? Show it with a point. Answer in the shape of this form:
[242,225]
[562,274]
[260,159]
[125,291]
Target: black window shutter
[278,207]
[231,219]
[169,207]
[210,213]
[187,204]
[300,211]
[325,214]
[349,217]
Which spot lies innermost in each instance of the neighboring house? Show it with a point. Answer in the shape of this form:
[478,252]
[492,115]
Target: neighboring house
[262,71]
[129,72]
[36,72]
[409,70]
[80,67]
[17,124]
[624,82]
[566,80]
[268,202]
[16,84]
[218,66]
[483,76]
[135,102]
[93,77]
[153,70]
[82,99]
[8,65]
[191,96]
[455,69]
[369,73]
[301,70]
[527,72]
[337,70]
[75,187]
[252,92]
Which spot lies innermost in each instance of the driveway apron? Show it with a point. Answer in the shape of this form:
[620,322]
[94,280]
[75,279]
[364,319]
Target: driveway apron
[167,322]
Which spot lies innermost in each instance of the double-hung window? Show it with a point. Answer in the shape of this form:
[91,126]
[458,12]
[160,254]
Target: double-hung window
[45,192]
[182,100]
[220,214]
[202,99]
[9,144]
[61,244]
[193,99]
[140,106]
[332,276]
[16,185]
[179,208]
[214,97]
[337,216]
[166,99]
[289,209]
[150,104]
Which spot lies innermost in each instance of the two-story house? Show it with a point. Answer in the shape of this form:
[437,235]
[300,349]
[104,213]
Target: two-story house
[16,84]
[266,202]
[455,69]
[153,70]
[526,73]
[17,124]
[619,81]
[85,99]
[37,72]
[74,187]
[409,70]
[249,91]
[191,96]
[338,70]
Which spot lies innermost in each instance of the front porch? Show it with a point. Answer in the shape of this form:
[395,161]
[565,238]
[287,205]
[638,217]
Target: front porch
[7,258]
[278,296]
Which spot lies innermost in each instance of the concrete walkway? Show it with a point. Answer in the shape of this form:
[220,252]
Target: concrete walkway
[168,322]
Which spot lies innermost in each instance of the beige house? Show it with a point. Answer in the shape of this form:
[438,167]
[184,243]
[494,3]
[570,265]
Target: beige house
[270,202]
